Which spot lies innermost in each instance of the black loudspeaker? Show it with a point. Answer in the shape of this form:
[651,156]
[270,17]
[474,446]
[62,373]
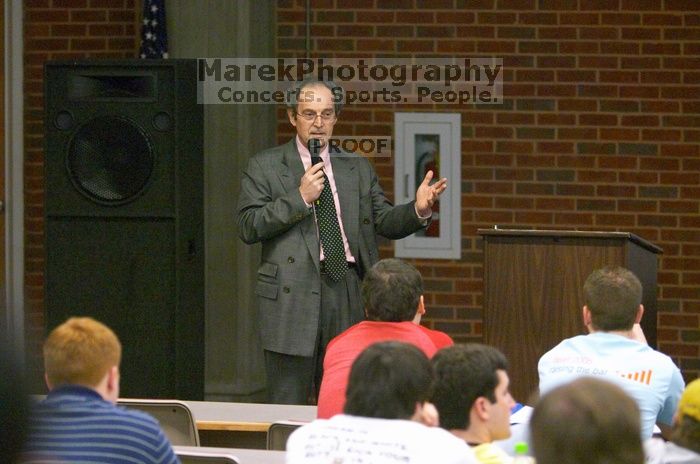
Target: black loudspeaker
[124,214]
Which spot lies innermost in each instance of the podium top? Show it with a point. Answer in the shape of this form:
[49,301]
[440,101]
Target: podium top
[571,234]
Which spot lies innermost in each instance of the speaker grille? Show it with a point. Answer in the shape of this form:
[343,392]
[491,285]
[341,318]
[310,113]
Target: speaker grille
[110,160]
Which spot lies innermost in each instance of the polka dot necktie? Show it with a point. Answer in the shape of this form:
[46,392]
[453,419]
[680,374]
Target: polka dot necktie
[335,263]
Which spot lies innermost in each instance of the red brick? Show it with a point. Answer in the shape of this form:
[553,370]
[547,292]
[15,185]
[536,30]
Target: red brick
[557,119]
[684,63]
[122,44]
[456,46]
[37,30]
[108,4]
[554,204]
[616,220]
[566,133]
[608,33]
[662,19]
[596,176]
[533,217]
[678,349]
[109,30]
[679,207]
[433,4]
[47,44]
[88,44]
[661,49]
[597,119]
[66,4]
[620,48]
[619,134]
[524,75]
[88,16]
[538,18]
[46,16]
[68,30]
[621,19]
[642,206]
[659,164]
[493,46]
[638,91]
[690,150]
[640,63]
[576,76]
[557,33]
[661,106]
[579,19]
[579,47]
[598,62]
[638,177]
[453,17]
[640,121]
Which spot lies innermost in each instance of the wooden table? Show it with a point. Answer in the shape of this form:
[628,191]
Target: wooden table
[242,425]
[244,456]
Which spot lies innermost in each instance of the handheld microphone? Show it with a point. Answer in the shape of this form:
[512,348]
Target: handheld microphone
[314,146]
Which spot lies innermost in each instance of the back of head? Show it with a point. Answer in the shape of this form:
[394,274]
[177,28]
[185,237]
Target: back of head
[464,373]
[80,352]
[613,296]
[587,421]
[686,432]
[387,380]
[391,291]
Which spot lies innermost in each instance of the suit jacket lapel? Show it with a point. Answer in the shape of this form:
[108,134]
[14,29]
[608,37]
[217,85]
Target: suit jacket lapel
[290,180]
[346,183]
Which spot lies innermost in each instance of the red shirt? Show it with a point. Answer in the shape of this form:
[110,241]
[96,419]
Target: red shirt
[343,349]
[441,339]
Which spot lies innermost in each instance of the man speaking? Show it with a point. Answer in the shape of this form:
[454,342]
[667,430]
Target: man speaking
[317,215]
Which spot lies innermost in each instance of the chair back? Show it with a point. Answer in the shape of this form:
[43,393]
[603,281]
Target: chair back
[279,432]
[175,418]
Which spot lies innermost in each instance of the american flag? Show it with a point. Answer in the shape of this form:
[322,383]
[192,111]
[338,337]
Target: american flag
[154,36]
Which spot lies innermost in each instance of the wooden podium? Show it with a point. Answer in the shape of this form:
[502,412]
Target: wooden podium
[533,290]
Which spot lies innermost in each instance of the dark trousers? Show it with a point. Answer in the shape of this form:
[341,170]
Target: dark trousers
[297,379]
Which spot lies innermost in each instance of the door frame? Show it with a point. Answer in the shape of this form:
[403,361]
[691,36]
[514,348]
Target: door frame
[13,301]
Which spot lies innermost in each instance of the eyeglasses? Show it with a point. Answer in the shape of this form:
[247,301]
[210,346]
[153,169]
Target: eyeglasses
[311,116]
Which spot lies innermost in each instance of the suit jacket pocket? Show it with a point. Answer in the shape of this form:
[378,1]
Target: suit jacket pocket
[267,269]
[266,290]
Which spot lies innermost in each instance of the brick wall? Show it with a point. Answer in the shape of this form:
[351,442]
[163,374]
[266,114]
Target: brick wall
[55,30]
[599,129]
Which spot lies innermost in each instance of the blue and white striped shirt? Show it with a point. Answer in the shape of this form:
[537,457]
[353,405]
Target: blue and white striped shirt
[75,424]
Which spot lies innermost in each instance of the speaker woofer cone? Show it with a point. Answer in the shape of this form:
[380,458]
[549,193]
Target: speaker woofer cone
[110,160]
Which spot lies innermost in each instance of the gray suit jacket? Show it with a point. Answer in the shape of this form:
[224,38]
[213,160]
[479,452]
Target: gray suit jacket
[271,211]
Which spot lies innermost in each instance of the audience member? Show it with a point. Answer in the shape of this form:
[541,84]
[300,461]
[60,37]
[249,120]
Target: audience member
[684,447]
[472,398]
[587,421]
[392,295]
[615,350]
[385,412]
[79,421]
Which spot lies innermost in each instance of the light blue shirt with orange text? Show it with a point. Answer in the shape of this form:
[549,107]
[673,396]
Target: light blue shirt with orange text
[648,376]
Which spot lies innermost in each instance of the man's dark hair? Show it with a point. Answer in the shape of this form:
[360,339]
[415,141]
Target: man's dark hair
[387,380]
[294,93]
[613,296]
[464,373]
[586,421]
[391,291]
